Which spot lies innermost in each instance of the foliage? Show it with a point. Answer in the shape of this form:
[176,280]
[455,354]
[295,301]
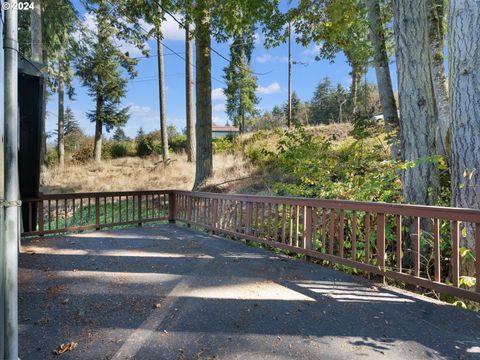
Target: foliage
[119,135]
[223,144]
[178,143]
[241,84]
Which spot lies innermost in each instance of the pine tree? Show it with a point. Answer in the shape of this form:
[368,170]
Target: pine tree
[101,69]
[241,84]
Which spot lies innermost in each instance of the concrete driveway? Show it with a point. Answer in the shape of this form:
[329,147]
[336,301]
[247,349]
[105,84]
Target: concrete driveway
[167,292]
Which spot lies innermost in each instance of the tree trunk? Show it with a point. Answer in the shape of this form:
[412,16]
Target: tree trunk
[38,55]
[97,149]
[203,84]
[436,45]
[61,117]
[464,82]
[189,95]
[161,91]
[417,109]
[354,88]
[384,81]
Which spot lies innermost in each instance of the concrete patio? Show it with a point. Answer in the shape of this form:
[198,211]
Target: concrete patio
[168,292]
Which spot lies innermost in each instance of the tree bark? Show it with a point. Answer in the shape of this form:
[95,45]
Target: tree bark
[384,80]
[203,84]
[189,95]
[417,109]
[97,149]
[61,117]
[436,46]
[38,55]
[161,90]
[464,87]
[354,88]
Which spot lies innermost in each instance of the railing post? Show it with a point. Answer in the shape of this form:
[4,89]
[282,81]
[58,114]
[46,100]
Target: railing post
[97,213]
[172,208]
[381,242]
[41,225]
[139,198]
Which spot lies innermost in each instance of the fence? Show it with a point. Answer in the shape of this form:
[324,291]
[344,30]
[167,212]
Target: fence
[418,245]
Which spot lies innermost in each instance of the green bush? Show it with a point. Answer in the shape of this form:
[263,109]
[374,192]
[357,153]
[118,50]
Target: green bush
[52,157]
[119,149]
[178,143]
[223,144]
[83,154]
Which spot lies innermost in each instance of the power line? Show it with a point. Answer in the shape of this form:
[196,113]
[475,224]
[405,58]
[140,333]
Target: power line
[210,47]
[155,36]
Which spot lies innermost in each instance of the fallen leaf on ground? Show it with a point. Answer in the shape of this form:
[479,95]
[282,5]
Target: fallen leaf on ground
[65,347]
[157,306]
[65,301]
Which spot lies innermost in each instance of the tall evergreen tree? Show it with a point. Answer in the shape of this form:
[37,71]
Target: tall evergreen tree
[241,84]
[101,69]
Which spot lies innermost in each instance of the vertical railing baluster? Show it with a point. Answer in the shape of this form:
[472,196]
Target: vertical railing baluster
[284,219]
[81,211]
[416,246]
[324,229]
[307,228]
[97,213]
[381,241]
[269,221]
[354,235]
[49,214]
[248,218]
[139,202]
[367,238]
[436,249]
[290,229]
[314,227]
[341,231]
[331,239]
[275,223]
[399,245]
[297,223]
[41,225]
[455,253]
[477,256]
[56,214]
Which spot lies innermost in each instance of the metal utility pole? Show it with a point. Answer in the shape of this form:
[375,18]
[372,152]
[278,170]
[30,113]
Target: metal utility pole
[2,291]
[289,103]
[11,200]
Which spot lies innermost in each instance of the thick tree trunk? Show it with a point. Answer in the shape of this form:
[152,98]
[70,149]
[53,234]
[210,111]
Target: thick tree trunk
[417,108]
[384,81]
[464,90]
[436,45]
[189,95]
[61,117]
[97,149]
[203,84]
[161,92]
[38,55]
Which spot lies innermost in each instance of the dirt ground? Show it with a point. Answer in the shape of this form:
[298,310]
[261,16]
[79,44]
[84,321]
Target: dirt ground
[168,292]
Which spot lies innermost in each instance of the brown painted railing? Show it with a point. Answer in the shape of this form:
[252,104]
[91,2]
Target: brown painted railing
[57,213]
[418,245]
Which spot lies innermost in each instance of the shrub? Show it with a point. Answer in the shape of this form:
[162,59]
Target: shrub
[223,145]
[52,157]
[83,154]
[178,143]
[119,149]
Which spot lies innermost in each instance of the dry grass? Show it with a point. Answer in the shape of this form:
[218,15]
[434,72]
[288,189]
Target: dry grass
[140,174]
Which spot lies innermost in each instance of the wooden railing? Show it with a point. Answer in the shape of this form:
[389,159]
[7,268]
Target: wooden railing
[418,245]
[57,213]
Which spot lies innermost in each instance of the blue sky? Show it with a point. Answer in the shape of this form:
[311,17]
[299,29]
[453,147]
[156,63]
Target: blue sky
[142,95]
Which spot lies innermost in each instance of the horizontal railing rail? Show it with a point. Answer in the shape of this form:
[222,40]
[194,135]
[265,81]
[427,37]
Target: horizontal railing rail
[414,244]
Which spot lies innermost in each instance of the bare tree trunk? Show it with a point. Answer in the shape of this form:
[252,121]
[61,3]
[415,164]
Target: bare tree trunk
[97,149]
[384,80]
[436,45]
[189,95]
[203,84]
[354,88]
[464,89]
[417,108]
[61,117]
[161,90]
[37,55]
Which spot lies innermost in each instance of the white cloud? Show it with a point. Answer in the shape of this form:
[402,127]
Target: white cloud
[269,58]
[171,29]
[313,50]
[218,94]
[219,107]
[142,113]
[269,89]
